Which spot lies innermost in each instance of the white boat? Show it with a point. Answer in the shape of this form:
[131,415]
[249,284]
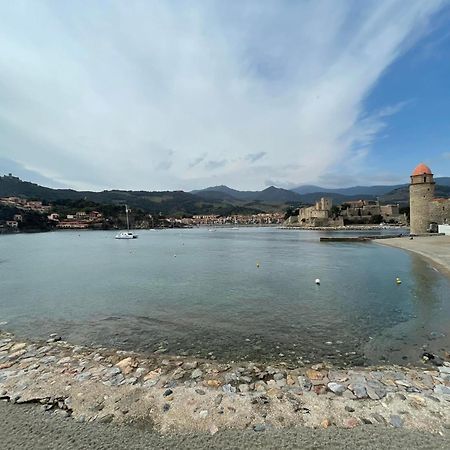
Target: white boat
[126,234]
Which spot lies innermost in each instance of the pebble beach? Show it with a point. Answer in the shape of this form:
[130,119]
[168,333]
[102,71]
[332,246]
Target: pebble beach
[176,394]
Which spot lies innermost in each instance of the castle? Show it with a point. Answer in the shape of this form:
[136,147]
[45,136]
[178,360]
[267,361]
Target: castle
[425,210]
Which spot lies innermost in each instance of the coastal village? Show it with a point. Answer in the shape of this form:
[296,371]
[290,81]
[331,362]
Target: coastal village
[82,220]
[427,213]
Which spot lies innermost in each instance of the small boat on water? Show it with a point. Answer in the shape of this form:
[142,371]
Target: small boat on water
[126,234]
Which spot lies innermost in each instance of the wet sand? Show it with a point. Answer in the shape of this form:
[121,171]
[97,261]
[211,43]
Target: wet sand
[434,248]
[27,426]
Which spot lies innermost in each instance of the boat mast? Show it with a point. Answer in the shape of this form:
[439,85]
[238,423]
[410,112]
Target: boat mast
[128,221]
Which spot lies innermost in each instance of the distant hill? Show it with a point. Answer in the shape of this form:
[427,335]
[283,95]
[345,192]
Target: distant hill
[349,191]
[374,191]
[220,200]
[401,194]
[176,203]
[271,194]
[275,195]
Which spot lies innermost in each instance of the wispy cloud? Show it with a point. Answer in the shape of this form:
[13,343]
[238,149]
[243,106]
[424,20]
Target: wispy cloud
[197,161]
[213,165]
[253,157]
[93,94]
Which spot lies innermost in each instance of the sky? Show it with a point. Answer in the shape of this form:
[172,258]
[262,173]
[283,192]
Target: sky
[181,95]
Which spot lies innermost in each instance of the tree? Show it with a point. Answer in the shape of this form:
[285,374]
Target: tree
[335,211]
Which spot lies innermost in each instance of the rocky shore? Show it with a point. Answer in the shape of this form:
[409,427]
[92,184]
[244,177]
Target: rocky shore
[181,394]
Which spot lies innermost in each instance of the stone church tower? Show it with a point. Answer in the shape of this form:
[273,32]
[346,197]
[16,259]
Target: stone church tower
[421,194]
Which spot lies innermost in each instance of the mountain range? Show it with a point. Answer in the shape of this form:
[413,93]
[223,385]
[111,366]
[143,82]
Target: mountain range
[216,199]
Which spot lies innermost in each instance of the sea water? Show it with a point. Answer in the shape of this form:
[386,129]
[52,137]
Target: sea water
[229,294]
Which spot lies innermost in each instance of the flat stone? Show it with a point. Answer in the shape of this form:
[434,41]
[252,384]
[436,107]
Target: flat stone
[359,390]
[153,375]
[127,365]
[314,374]
[349,395]
[17,354]
[139,372]
[379,418]
[402,383]
[441,389]
[396,421]
[228,389]
[336,388]
[112,372]
[197,373]
[190,365]
[17,347]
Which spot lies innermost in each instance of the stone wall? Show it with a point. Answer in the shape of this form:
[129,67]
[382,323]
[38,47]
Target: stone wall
[421,193]
[439,211]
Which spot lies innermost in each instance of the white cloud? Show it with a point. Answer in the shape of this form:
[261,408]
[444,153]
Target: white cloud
[169,95]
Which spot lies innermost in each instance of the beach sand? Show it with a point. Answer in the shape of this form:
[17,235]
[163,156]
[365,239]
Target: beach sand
[27,426]
[434,248]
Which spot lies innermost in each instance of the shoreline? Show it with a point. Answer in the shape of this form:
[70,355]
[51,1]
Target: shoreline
[181,394]
[434,249]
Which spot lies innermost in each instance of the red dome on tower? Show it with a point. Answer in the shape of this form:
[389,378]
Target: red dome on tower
[422,169]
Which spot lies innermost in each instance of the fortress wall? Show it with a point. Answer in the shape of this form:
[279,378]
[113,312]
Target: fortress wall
[439,211]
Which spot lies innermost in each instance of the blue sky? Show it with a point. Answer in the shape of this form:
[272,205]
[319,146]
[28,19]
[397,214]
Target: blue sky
[182,95]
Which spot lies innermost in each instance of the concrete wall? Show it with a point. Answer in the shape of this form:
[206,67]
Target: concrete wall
[444,229]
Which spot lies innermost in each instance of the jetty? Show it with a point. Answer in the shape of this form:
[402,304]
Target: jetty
[357,238]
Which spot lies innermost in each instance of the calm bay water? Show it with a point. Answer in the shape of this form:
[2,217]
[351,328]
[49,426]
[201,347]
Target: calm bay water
[200,292]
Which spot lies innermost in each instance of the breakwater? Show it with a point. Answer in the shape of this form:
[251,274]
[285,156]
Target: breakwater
[356,238]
